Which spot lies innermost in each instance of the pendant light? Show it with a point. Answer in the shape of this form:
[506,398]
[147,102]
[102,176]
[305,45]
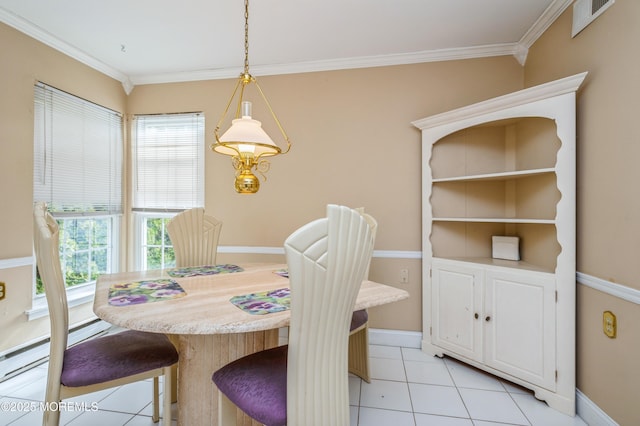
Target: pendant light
[245,141]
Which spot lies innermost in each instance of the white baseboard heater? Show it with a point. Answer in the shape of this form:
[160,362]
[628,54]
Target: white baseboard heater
[17,360]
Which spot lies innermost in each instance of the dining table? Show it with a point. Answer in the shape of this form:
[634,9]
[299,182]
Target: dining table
[219,313]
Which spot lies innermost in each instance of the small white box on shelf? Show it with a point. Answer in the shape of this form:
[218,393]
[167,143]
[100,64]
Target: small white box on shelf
[506,248]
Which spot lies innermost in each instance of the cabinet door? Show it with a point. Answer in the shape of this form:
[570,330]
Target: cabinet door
[520,316]
[456,303]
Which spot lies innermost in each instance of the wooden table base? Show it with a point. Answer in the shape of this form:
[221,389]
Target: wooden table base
[200,356]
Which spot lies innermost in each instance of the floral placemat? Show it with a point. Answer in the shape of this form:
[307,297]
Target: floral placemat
[265,302]
[192,271]
[282,272]
[135,293]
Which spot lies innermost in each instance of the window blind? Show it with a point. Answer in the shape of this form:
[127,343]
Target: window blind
[77,154]
[168,157]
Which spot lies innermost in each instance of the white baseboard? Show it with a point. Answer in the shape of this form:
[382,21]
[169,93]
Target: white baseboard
[591,413]
[405,339]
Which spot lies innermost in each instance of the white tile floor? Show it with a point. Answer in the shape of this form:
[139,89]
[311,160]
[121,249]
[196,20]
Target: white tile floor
[407,388]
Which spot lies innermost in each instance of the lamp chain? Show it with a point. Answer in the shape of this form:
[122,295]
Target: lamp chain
[246,37]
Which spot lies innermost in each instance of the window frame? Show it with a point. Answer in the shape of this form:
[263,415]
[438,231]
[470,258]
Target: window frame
[55,109]
[140,236]
[169,207]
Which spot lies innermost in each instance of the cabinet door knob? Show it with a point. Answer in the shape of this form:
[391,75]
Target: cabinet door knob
[488,318]
[476,315]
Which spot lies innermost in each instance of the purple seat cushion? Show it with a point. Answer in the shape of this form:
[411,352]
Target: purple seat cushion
[116,356]
[358,319]
[257,384]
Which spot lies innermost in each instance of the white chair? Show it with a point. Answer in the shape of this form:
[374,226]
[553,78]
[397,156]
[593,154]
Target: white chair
[194,236]
[306,381]
[359,328]
[98,363]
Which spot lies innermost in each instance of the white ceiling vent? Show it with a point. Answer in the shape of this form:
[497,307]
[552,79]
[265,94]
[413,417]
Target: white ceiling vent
[586,11]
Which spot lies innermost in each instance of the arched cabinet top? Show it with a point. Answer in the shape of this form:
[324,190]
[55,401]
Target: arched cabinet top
[549,100]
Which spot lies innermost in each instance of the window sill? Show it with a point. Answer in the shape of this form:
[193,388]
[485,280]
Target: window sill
[75,297]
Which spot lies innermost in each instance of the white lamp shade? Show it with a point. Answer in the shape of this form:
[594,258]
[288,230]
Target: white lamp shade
[246,134]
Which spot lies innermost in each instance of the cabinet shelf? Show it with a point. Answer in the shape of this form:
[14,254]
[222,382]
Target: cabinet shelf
[494,220]
[497,176]
[489,261]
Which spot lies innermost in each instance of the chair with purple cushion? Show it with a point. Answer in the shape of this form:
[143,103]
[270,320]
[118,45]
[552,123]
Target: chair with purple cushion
[359,345]
[306,381]
[98,363]
[359,329]
[194,236]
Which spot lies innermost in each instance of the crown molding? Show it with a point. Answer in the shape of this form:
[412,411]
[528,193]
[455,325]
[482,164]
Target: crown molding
[548,17]
[42,36]
[335,64]
[519,50]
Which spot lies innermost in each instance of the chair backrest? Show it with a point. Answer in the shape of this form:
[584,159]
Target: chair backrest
[46,243]
[327,261]
[373,225]
[194,236]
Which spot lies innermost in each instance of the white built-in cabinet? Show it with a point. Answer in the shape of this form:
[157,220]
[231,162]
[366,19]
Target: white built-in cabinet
[503,167]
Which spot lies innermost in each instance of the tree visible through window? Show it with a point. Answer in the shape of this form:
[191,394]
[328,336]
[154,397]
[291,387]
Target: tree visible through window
[85,250]
[157,248]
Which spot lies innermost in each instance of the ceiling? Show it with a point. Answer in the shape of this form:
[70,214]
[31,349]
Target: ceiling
[154,41]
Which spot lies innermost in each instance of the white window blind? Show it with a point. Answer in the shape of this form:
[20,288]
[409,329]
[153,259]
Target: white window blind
[77,154]
[168,158]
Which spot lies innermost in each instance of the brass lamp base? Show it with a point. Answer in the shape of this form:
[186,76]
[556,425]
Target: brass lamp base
[247,183]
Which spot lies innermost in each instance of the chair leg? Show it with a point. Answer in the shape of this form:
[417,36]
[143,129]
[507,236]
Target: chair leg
[52,395]
[226,410]
[155,417]
[167,398]
[51,418]
[359,353]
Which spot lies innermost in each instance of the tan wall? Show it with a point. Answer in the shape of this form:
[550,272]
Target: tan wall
[608,206]
[24,61]
[353,144]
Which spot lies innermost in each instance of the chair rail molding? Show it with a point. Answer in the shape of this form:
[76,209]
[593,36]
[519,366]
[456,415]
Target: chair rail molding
[16,262]
[614,289]
[389,254]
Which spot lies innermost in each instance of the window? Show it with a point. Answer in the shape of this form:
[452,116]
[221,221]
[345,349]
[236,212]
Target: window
[78,172]
[155,249]
[168,177]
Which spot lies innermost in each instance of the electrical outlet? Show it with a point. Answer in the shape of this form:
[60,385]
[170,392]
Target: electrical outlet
[3,290]
[609,324]
[404,276]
